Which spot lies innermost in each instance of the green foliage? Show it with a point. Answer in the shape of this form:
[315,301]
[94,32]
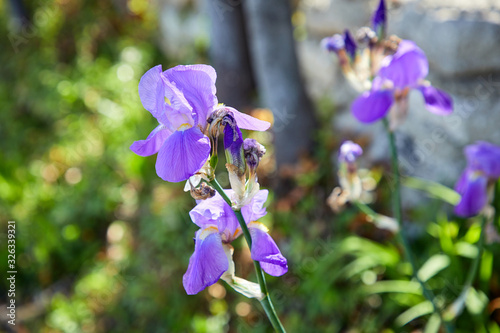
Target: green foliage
[102,242]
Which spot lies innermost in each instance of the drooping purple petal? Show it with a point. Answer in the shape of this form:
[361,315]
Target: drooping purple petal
[484,156]
[207,264]
[333,43]
[349,152]
[182,155]
[247,122]
[350,44]
[436,101]
[197,84]
[265,250]
[371,106]
[406,67]
[472,186]
[153,142]
[379,19]
[152,93]
[255,209]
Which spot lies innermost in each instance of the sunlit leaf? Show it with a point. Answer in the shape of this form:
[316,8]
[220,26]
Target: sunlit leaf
[486,267]
[399,286]
[476,301]
[434,189]
[412,313]
[433,324]
[466,250]
[473,234]
[432,266]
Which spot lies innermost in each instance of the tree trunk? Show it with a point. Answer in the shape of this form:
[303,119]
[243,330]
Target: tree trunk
[229,53]
[280,86]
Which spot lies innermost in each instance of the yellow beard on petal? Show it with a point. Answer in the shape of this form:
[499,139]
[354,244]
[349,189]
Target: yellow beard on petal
[184,127]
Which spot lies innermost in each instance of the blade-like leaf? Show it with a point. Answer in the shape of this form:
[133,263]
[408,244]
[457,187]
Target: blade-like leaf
[433,324]
[434,189]
[406,287]
[414,312]
[432,266]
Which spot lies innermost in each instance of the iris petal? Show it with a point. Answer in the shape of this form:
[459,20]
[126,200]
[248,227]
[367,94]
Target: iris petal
[215,211]
[255,209]
[371,106]
[248,122]
[153,142]
[206,265]
[437,101]
[265,250]
[182,155]
[484,156]
[473,189]
[197,84]
[406,67]
[152,93]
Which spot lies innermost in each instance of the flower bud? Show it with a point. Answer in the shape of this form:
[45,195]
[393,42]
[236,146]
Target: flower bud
[233,146]
[379,20]
[351,185]
[253,153]
[349,152]
[350,44]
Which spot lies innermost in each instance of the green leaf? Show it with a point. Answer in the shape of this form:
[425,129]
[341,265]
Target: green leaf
[395,286]
[434,189]
[466,250]
[473,234]
[476,301]
[433,324]
[414,312]
[486,267]
[432,266]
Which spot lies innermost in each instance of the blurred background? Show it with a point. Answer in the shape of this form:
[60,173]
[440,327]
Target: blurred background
[102,242]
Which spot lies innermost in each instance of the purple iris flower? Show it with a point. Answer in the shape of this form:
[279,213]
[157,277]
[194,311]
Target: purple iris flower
[181,99]
[218,228]
[483,165]
[404,70]
[349,152]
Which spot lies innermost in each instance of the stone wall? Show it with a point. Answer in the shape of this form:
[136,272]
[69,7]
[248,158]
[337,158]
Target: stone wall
[462,41]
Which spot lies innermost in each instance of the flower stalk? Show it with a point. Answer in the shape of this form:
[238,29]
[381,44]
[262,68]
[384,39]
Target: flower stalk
[266,300]
[398,215]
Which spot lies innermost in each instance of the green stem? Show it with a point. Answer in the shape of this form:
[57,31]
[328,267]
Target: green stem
[398,214]
[365,209]
[475,264]
[266,300]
